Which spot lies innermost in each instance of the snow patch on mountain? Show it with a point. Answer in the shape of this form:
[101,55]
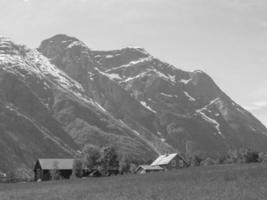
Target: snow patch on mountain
[48,69]
[76,43]
[36,64]
[134,77]
[167,77]
[189,96]
[209,119]
[109,56]
[147,106]
[111,76]
[185,81]
[168,95]
[163,139]
[130,64]
[212,121]
[172,77]
[100,107]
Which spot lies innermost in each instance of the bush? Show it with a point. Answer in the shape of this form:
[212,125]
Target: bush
[77,170]
[251,156]
[262,157]
[221,159]
[124,166]
[23,174]
[132,168]
[195,160]
[11,177]
[242,156]
[208,162]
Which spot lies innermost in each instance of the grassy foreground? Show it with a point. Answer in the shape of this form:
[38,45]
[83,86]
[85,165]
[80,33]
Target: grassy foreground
[231,182]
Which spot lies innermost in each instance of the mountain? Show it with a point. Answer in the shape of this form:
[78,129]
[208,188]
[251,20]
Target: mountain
[64,95]
[46,114]
[183,109]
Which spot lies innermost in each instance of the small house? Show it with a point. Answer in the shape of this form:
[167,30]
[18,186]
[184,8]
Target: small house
[143,169]
[170,161]
[44,167]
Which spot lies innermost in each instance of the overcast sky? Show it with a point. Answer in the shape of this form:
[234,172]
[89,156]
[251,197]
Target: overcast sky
[225,38]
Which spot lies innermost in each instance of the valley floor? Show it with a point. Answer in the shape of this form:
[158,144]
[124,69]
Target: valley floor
[226,182]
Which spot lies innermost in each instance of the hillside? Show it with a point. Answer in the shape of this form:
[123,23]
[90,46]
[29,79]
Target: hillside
[182,109]
[45,113]
[63,95]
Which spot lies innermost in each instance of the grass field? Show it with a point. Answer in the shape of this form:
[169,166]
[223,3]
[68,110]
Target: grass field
[229,182]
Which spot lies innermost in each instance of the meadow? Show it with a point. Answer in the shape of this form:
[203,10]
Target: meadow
[225,182]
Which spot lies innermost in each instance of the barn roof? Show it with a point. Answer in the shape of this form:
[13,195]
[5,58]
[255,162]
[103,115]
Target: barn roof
[149,167]
[164,159]
[49,164]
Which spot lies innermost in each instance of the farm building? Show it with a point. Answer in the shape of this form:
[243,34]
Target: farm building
[143,169]
[170,161]
[43,168]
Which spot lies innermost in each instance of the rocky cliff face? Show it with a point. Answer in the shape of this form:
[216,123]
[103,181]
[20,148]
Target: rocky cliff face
[46,114]
[58,98]
[182,109]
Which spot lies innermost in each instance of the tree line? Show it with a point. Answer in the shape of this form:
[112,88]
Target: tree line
[105,161]
[232,156]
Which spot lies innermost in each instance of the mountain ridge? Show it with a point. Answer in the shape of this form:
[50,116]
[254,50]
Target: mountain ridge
[127,98]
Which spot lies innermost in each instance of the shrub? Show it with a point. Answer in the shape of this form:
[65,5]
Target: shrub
[77,168]
[262,157]
[23,174]
[208,162]
[11,177]
[132,168]
[251,156]
[195,160]
[221,159]
[124,165]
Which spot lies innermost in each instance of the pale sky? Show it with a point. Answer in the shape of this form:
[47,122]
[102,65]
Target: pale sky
[225,38]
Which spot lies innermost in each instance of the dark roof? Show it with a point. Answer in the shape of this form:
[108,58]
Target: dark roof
[49,164]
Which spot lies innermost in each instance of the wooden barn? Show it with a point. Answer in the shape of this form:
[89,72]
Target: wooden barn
[43,168]
[143,169]
[170,161]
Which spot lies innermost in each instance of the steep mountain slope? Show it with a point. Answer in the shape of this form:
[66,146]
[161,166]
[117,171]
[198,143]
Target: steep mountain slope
[185,110]
[44,113]
[57,99]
